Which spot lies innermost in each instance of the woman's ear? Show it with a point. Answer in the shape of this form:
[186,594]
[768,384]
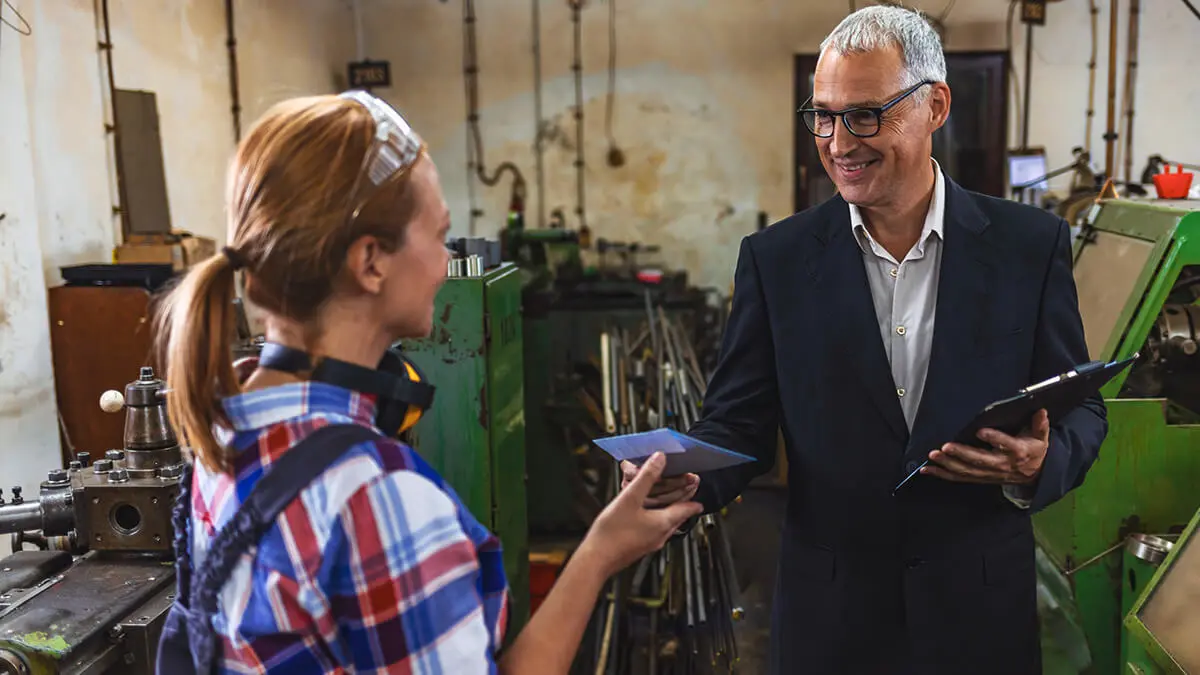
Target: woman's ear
[367,264]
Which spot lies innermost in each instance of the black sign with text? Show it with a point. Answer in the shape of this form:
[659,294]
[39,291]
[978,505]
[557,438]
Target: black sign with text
[1034,12]
[366,74]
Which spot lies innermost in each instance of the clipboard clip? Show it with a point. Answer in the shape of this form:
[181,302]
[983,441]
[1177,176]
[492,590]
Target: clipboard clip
[1081,370]
[1047,383]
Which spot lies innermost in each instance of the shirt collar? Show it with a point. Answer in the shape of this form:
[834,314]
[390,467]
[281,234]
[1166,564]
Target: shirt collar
[935,217]
[261,408]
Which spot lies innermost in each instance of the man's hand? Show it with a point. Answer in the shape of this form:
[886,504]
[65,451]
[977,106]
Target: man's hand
[666,491]
[1013,460]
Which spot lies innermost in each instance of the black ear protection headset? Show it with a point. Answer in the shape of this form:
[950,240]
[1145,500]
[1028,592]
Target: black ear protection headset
[402,391]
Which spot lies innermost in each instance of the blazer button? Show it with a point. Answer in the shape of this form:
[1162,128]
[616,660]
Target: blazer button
[913,563]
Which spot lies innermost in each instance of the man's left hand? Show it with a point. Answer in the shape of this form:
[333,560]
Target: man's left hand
[1013,460]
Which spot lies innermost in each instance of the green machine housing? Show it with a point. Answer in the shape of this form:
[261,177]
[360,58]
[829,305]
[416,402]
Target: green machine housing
[1165,620]
[474,434]
[1137,271]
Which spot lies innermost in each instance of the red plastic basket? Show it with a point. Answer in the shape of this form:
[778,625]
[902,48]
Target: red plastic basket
[1173,185]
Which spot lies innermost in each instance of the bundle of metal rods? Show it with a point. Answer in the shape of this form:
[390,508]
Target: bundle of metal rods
[674,611]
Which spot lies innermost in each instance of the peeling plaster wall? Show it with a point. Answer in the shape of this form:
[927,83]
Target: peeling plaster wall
[1167,85]
[703,113]
[27,412]
[703,110]
[56,181]
[704,105]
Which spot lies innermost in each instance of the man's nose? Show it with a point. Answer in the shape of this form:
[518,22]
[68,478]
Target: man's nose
[842,142]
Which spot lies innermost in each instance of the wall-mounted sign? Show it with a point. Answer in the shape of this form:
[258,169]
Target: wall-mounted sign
[1034,12]
[367,74]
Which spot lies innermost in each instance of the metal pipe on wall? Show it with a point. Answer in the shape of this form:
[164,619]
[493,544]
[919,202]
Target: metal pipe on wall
[1094,17]
[360,40]
[1110,133]
[538,141]
[234,91]
[577,68]
[1131,48]
[115,128]
[1028,84]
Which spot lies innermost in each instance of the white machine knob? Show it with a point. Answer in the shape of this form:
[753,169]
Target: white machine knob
[112,401]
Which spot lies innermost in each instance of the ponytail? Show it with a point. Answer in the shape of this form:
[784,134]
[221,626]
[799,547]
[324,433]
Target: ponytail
[195,332]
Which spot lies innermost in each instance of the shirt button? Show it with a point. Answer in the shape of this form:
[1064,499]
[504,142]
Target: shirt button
[894,272]
[900,392]
[901,330]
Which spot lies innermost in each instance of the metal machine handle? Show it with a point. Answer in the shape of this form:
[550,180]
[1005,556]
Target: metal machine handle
[18,518]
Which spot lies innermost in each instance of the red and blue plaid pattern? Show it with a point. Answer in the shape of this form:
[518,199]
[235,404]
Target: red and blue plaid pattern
[376,568]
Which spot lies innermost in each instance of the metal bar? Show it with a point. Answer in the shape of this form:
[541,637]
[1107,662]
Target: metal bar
[632,346]
[623,387]
[610,423]
[633,412]
[20,517]
[606,641]
[701,613]
[735,592]
[688,598]
[653,647]
[614,384]
[650,320]
[618,608]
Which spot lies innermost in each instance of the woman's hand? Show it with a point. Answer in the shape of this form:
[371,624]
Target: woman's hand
[626,530]
[666,491]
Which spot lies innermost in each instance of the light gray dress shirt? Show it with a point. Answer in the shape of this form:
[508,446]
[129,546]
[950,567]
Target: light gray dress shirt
[905,297]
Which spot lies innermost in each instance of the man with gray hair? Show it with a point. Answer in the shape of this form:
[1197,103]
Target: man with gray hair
[871,329]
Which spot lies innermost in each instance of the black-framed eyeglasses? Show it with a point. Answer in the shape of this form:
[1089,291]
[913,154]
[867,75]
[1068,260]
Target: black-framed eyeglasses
[862,122]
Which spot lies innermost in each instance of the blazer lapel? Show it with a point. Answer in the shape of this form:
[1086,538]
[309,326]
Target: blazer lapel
[841,280]
[963,297]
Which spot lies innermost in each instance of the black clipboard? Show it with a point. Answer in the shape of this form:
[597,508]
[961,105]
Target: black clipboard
[1059,395]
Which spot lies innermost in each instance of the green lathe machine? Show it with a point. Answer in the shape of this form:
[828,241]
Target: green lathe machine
[1137,270]
[474,434]
[1164,621]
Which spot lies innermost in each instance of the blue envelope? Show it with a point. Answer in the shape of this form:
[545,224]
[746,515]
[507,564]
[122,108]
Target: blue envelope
[684,454]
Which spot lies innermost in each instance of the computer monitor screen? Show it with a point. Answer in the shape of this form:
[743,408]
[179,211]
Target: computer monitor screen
[1022,169]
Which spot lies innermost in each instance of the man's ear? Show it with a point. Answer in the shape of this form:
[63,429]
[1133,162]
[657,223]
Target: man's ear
[939,104]
[366,264]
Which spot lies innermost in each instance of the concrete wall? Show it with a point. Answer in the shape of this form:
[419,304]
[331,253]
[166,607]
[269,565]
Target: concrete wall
[703,113]
[704,106]
[56,184]
[1167,85]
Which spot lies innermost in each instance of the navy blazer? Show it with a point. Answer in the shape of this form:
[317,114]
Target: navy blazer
[940,577]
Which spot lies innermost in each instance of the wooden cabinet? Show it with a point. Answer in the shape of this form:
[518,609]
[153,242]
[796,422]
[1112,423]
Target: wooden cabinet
[100,337]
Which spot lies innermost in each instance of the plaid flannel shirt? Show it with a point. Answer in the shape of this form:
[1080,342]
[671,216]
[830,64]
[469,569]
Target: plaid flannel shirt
[376,567]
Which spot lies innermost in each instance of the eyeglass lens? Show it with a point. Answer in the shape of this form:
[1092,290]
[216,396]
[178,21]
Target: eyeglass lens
[860,122]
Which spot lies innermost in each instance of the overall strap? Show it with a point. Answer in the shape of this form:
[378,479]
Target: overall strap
[284,480]
[181,523]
